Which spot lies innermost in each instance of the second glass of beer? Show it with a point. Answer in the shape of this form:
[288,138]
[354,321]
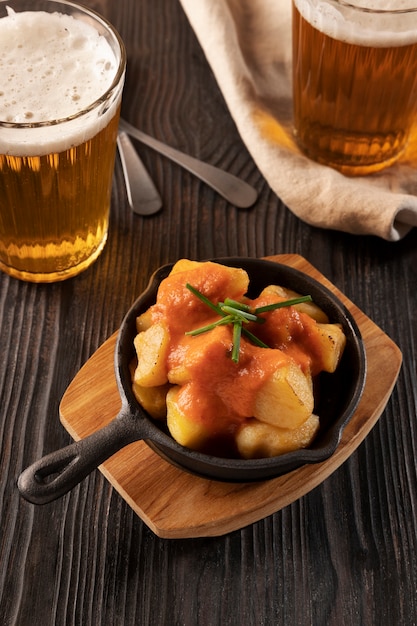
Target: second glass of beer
[354,81]
[62,71]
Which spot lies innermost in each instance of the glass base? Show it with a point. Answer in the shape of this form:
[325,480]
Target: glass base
[53,277]
[349,163]
[356,170]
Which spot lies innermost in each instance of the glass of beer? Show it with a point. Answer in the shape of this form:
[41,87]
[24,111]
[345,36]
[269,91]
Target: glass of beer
[354,81]
[62,71]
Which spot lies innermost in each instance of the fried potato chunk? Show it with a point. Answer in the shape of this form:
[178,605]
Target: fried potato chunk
[256,439]
[184,265]
[213,279]
[309,308]
[184,430]
[151,348]
[286,398]
[176,301]
[179,375]
[153,399]
[144,321]
[333,341]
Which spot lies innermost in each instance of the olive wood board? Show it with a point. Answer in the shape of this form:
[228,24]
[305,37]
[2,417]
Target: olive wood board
[177,504]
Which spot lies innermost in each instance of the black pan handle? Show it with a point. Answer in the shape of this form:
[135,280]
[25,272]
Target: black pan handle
[57,473]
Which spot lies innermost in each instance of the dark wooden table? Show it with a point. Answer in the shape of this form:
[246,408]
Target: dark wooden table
[346,553]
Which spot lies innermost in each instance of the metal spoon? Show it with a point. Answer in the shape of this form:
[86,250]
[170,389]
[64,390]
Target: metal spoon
[233,189]
[142,194]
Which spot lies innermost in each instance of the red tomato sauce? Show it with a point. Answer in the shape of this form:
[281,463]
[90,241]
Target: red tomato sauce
[219,389]
[293,332]
[219,392]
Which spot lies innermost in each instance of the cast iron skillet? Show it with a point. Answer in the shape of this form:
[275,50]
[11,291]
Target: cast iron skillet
[55,474]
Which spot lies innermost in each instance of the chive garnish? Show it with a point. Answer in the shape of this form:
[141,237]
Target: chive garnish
[254,339]
[279,305]
[237,305]
[237,332]
[203,298]
[228,319]
[249,317]
[238,314]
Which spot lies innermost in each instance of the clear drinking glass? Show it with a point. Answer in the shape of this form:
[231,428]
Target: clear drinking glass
[62,71]
[354,81]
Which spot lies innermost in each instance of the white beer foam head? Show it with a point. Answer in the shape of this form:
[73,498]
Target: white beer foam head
[361,27]
[52,67]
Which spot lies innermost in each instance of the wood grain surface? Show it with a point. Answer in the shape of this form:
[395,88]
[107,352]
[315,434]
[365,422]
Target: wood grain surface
[187,506]
[343,554]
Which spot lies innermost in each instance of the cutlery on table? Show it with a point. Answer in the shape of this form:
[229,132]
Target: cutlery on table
[233,189]
[142,194]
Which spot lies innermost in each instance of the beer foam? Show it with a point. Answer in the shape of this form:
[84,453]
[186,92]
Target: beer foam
[348,23]
[52,67]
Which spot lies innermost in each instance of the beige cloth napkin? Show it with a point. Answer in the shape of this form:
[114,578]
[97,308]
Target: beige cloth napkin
[248,46]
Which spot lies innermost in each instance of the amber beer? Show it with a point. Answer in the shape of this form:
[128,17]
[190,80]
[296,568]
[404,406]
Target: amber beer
[58,130]
[354,82]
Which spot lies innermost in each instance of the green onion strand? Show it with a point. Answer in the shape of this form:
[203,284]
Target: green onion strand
[237,332]
[237,305]
[254,339]
[283,303]
[222,322]
[203,298]
[249,317]
[238,314]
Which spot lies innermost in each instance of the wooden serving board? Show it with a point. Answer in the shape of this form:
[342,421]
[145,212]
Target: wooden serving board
[175,504]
